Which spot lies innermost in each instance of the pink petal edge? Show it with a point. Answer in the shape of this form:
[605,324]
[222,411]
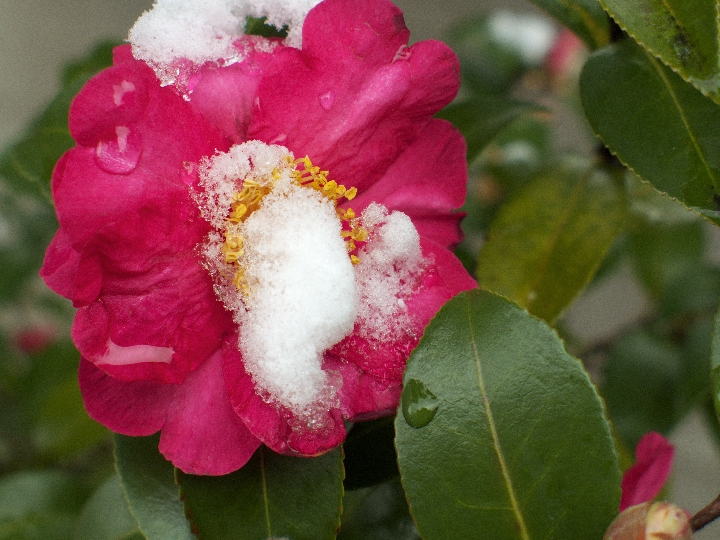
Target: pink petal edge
[644,480]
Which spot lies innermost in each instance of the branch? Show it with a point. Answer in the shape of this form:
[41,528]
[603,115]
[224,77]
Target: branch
[708,514]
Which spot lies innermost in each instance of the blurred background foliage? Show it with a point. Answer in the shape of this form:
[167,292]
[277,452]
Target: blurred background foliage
[543,223]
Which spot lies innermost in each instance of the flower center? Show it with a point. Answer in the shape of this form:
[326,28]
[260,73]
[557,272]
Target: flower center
[281,258]
[300,274]
[249,199]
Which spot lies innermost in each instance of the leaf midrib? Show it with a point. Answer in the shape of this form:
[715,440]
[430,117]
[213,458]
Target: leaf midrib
[493,431]
[681,112]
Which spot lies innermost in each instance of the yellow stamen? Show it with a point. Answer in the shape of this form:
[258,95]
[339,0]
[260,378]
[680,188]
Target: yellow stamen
[249,198]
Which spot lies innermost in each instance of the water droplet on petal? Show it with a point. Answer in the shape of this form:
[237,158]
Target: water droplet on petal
[419,404]
[326,99]
[121,154]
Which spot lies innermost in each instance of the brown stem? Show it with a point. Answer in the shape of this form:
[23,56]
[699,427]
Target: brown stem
[710,513]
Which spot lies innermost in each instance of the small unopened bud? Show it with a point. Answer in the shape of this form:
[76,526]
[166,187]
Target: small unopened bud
[651,521]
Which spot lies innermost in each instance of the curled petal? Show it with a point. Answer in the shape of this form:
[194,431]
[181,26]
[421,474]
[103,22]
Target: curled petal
[225,95]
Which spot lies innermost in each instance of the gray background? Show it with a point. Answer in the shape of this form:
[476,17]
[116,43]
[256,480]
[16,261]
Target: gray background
[38,36]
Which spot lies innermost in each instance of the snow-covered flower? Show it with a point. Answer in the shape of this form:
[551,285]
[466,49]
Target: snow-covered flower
[255,246]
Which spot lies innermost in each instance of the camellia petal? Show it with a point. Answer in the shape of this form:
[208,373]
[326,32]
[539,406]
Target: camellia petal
[200,412]
[354,102]
[653,462]
[135,408]
[427,182]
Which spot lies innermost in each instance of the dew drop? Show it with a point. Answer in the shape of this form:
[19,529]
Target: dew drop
[121,154]
[326,99]
[419,404]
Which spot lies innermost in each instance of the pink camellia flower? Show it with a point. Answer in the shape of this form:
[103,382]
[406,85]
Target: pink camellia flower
[653,462]
[229,292]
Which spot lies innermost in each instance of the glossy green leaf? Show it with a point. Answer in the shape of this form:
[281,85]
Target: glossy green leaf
[683,33]
[149,484]
[272,496]
[584,17]
[657,124]
[39,505]
[519,447]
[546,242]
[370,453]
[481,119]
[106,515]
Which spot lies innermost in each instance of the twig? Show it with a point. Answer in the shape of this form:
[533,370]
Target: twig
[708,514]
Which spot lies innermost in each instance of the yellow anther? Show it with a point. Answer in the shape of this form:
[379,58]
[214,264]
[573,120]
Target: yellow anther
[237,213]
[350,193]
[346,215]
[329,189]
[360,234]
[354,259]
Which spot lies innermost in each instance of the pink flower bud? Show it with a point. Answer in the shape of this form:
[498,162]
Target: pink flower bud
[651,521]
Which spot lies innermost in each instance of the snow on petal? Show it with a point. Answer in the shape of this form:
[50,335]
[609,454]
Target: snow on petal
[197,32]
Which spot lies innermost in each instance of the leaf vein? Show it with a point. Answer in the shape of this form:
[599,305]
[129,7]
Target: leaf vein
[681,112]
[493,431]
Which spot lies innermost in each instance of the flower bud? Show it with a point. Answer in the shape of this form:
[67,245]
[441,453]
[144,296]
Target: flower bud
[651,521]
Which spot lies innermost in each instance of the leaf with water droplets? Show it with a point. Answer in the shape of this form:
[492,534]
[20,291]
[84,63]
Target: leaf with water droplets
[519,447]
[419,404]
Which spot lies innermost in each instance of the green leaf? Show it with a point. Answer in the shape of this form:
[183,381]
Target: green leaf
[584,17]
[257,26]
[106,515]
[658,125]
[63,427]
[370,453]
[482,118]
[39,505]
[149,484]
[682,33]
[272,496]
[519,446]
[546,243]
